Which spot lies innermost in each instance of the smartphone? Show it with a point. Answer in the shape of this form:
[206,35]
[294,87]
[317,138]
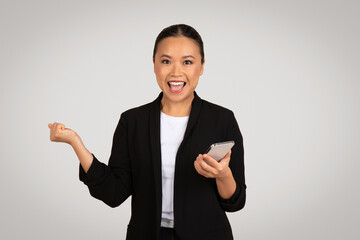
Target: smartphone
[218,150]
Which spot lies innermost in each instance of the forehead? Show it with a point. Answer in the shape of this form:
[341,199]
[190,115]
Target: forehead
[178,46]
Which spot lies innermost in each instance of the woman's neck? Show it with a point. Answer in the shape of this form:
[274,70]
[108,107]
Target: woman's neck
[176,109]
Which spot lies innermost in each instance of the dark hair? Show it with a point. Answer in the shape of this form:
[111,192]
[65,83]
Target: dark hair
[180,30]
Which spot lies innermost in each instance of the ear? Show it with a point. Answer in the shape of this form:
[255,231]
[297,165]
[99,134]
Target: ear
[202,67]
[154,63]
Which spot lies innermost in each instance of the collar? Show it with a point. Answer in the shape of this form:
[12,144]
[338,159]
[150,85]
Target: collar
[194,113]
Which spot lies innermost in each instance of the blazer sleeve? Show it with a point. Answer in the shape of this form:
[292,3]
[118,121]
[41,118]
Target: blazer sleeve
[111,183]
[236,164]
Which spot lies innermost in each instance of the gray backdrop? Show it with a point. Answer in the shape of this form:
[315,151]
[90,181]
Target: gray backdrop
[288,69]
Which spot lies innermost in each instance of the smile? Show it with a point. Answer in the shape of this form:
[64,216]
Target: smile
[176,86]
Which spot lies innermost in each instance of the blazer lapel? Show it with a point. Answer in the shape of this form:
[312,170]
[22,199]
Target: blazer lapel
[156,145]
[156,154]
[194,114]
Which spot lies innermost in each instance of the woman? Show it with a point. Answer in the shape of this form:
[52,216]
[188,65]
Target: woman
[156,157]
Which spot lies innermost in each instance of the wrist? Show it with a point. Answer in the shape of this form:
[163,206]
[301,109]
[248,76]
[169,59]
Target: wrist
[226,185]
[226,176]
[75,141]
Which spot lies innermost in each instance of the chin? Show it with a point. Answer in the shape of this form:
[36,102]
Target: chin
[178,97]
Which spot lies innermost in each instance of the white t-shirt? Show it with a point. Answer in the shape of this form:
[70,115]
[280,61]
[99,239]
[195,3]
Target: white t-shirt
[172,130]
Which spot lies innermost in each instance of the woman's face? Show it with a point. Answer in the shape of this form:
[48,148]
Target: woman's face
[178,67]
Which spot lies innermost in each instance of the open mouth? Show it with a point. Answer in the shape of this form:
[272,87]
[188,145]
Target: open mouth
[176,86]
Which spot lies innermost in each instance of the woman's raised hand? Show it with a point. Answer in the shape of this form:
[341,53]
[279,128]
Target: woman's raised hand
[58,133]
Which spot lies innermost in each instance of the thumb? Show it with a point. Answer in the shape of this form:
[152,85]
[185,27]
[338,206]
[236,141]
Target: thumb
[227,156]
[49,125]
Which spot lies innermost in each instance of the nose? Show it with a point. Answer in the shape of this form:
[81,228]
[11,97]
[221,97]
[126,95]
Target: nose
[176,71]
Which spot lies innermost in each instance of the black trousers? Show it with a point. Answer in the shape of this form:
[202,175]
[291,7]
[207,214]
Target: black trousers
[168,234]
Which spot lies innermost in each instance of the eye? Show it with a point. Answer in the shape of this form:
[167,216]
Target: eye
[187,62]
[165,61]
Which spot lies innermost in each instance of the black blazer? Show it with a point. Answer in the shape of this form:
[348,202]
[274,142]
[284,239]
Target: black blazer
[134,169]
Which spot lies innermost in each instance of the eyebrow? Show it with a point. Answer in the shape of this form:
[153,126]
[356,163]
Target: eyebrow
[186,56]
[189,56]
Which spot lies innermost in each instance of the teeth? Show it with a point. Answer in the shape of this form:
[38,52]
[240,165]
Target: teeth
[176,83]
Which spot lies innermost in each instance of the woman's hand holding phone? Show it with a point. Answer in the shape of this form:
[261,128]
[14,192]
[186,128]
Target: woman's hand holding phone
[208,167]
